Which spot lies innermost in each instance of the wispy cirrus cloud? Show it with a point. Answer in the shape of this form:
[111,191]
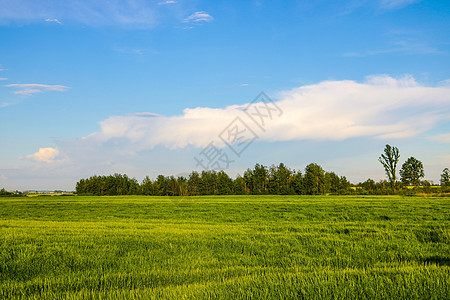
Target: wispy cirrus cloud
[441,138]
[395,4]
[34,88]
[167,2]
[3,78]
[403,46]
[129,13]
[199,17]
[5,104]
[53,20]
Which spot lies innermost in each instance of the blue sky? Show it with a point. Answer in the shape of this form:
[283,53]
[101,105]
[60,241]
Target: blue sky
[142,87]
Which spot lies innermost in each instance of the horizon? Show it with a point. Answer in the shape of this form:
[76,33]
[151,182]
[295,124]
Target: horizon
[150,88]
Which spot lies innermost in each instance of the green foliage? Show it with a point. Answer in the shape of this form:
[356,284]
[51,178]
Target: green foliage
[111,185]
[412,171]
[276,180]
[234,247]
[314,180]
[261,180]
[389,161]
[445,178]
[5,193]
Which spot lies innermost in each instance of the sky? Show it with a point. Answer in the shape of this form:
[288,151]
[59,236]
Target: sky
[165,87]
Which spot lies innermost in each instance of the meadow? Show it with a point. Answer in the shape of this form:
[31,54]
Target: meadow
[225,247]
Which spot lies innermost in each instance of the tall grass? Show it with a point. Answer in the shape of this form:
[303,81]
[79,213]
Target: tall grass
[266,247]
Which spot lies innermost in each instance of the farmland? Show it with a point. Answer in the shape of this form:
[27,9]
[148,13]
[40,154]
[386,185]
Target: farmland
[225,247]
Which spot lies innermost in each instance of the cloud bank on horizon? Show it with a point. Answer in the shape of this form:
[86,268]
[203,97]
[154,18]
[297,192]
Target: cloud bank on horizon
[381,107]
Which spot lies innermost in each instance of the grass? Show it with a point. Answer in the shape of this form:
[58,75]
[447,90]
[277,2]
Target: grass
[225,247]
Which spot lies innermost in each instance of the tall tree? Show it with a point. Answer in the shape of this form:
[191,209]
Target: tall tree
[224,184]
[193,184]
[389,161]
[161,186]
[412,171]
[284,176]
[260,180]
[297,182]
[248,181]
[147,186]
[314,180]
[445,177]
[331,183]
[239,186]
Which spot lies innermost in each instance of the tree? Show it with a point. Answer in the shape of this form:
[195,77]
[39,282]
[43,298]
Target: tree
[297,182]
[239,186]
[259,180]
[331,183]
[147,186]
[314,180]
[445,177]
[224,184]
[389,161]
[161,186]
[412,171]
[248,181]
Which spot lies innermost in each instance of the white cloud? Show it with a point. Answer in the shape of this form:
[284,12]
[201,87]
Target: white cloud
[394,4]
[43,155]
[244,84]
[441,138]
[198,17]
[5,104]
[129,13]
[381,107]
[2,78]
[410,47]
[53,20]
[167,2]
[34,88]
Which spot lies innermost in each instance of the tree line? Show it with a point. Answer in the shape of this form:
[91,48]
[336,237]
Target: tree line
[273,180]
[261,180]
[5,193]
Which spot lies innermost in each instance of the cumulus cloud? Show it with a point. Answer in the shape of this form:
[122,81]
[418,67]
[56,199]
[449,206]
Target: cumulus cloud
[198,17]
[43,155]
[34,88]
[380,107]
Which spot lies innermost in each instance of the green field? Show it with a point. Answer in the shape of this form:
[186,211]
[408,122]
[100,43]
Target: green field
[226,247]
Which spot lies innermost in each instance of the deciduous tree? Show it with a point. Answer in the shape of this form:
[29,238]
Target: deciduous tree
[412,171]
[445,177]
[389,161]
